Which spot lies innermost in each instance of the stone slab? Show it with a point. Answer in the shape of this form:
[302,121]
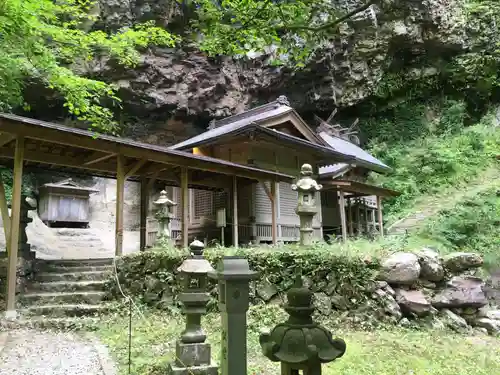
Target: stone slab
[3,340]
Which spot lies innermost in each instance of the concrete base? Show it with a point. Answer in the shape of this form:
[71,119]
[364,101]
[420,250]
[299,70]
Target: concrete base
[10,315]
[196,370]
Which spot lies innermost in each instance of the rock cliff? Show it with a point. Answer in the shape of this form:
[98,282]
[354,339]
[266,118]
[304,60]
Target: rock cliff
[174,92]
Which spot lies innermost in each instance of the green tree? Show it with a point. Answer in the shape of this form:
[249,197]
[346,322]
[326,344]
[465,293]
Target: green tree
[46,41]
[294,29]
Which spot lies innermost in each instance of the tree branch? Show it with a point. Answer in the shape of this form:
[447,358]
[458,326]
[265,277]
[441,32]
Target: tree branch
[333,23]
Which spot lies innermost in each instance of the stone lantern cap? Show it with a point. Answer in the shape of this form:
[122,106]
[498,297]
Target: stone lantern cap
[300,341]
[306,183]
[163,199]
[233,268]
[195,266]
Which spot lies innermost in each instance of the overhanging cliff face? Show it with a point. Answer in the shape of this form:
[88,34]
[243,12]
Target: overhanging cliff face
[174,92]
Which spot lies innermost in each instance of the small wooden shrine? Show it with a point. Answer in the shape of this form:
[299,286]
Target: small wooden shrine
[65,203]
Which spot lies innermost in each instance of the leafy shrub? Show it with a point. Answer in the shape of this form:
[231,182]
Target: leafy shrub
[152,276]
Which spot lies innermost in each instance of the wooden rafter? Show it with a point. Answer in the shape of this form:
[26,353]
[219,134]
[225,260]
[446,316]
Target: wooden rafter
[97,157]
[132,170]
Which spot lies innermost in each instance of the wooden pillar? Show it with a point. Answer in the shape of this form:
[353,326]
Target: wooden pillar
[367,221]
[380,216]
[13,245]
[374,224]
[274,229]
[235,211]
[144,213]
[185,207]
[349,216]
[120,191]
[342,215]
[5,213]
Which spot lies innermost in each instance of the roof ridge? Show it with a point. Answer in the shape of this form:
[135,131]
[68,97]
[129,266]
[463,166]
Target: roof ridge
[282,100]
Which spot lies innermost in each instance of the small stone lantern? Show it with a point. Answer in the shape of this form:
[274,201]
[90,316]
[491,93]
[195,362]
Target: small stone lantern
[307,188]
[234,275]
[300,344]
[164,214]
[193,354]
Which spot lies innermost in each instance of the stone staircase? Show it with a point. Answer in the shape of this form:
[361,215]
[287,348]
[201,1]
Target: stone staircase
[65,289]
[76,242]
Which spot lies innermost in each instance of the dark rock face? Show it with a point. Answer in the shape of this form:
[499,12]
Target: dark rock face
[185,85]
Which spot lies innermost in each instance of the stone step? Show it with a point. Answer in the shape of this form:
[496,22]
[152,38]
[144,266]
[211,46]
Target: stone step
[72,276]
[79,262]
[86,323]
[61,311]
[72,239]
[73,231]
[91,298]
[65,269]
[68,286]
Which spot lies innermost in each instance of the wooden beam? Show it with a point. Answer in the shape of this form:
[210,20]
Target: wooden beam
[134,168]
[235,211]
[5,213]
[343,223]
[367,221]
[380,216]
[120,190]
[97,157]
[57,160]
[144,213]
[6,138]
[185,207]
[14,229]
[267,191]
[349,215]
[274,224]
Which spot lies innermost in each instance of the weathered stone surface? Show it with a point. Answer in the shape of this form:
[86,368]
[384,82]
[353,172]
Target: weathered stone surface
[493,326]
[401,268]
[322,303]
[461,292]
[487,312]
[267,291]
[453,321]
[457,262]
[388,303]
[413,302]
[174,83]
[339,302]
[431,267]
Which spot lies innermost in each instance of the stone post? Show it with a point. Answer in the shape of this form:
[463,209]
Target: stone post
[300,344]
[193,354]
[164,214]
[234,275]
[307,188]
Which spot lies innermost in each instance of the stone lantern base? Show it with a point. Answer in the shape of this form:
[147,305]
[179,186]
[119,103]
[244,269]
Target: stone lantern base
[192,359]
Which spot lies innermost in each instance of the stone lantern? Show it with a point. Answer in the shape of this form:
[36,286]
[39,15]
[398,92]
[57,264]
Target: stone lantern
[193,354]
[300,344]
[164,214]
[307,189]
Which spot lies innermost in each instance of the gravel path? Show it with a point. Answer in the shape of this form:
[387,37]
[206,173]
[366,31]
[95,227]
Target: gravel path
[30,352]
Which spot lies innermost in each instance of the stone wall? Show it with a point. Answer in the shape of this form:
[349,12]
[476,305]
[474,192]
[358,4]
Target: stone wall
[408,289]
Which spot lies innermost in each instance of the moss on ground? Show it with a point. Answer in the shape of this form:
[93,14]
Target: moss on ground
[383,352]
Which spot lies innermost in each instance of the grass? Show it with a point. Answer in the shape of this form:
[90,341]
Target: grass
[384,352]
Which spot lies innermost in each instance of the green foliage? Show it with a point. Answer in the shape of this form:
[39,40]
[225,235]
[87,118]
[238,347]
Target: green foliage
[7,179]
[152,277]
[472,225]
[477,70]
[440,153]
[292,29]
[48,42]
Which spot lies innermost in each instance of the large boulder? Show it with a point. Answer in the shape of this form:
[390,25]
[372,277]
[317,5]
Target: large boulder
[461,292]
[401,268]
[454,321]
[458,262]
[413,302]
[430,264]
